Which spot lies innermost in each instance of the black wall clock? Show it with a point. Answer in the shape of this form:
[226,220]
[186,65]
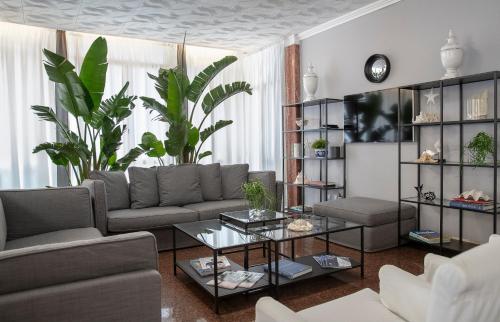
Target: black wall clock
[377,68]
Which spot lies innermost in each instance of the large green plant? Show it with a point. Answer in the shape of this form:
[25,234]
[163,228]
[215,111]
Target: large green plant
[184,139]
[99,129]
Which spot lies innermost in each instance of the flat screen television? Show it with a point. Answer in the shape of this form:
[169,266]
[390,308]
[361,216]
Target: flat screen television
[373,116]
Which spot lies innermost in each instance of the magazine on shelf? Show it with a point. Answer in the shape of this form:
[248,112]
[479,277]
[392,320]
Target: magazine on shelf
[208,262]
[233,279]
[196,265]
[472,204]
[332,261]
[428,236]
[290,269]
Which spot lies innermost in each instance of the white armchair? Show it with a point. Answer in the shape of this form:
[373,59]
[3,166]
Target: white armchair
[459,289]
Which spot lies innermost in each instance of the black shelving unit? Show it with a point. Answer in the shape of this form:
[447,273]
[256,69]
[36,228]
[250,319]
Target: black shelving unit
[456,245]
[323,105]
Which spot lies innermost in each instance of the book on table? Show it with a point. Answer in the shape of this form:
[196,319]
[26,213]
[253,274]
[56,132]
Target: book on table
[233,279]
[290,269]
[428,236]
[332,261]
[204,266]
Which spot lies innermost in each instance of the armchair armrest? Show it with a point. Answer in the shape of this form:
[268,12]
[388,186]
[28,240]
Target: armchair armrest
[31,212]
[99,203]
[53,264]
[268,309]
[403,293]
[431,264]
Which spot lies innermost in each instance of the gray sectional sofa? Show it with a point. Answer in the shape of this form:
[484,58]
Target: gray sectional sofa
[56,266]
[154,199]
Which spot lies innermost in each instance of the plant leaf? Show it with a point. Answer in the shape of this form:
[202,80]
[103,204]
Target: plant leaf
[60,153]
[118,106]
[219,94]
[71,93]
[207,132]
[93,70]
[47,114]
[124,162]
[152,146]
[201,81]
[161,83]
[204,154]
[174,101]
[153,105]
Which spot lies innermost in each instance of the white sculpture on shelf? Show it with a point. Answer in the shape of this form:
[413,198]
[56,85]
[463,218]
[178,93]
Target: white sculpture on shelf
[452,56]
[310,80]
[298,179]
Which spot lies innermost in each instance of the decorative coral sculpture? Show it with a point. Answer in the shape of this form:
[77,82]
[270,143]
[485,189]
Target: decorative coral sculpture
[426,157]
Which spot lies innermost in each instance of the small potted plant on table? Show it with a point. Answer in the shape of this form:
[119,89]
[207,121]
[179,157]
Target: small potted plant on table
[259,198]
[319,147]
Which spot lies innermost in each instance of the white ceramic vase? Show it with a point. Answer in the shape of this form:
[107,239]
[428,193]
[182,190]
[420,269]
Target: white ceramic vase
[452,56]
[310,80]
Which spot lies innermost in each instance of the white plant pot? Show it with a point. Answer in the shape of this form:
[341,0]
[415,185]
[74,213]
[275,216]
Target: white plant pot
[452,56]
[310,80]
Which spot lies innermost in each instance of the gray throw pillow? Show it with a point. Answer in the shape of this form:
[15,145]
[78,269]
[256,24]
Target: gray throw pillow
[179,185]
[233,177]
[3,227]
[211,181]
[116,186]
[143,187]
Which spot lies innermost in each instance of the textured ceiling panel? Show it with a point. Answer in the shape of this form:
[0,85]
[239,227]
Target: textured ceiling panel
[244,25]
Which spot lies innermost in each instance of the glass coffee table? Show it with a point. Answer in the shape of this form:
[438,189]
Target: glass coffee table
[246,219]
[219,236]
[279,233]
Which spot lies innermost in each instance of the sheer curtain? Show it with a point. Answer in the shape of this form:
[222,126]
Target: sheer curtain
[254,137]
[24,83]
[130,60]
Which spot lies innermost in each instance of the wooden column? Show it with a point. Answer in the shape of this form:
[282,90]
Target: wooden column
[292,83]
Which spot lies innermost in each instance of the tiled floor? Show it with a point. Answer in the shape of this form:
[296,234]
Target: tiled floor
[183,300]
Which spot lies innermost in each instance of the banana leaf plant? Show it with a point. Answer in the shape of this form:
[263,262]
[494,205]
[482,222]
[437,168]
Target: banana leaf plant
[99,123]
[184,140]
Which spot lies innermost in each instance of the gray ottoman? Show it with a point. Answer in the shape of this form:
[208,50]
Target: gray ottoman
[380,218]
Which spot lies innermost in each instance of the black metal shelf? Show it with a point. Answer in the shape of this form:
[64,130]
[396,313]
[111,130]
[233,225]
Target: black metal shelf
[324,131]
[454,245]
[453,164]
[316,159]
[314,102]
[459,244]
[447,123]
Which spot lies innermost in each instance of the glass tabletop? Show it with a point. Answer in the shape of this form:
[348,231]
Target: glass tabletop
[218,235]
[321,225]
[247,217]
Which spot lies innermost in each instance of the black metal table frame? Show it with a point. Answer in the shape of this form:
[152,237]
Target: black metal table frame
[215,253]
[245,225]
[277,254]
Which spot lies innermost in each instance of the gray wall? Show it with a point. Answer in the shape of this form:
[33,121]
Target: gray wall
[410,33]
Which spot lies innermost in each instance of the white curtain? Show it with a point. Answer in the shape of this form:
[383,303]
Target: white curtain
[254,137]
[23,83]
[130,60]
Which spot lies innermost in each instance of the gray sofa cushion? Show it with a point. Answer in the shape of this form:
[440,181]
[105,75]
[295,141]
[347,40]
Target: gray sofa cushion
[148,218]
[116,188]
[211,181]
[143,187]
[60,236]
[233,177]
[366,211]
[3,227]
[31,212]
[211,209]
[179,185]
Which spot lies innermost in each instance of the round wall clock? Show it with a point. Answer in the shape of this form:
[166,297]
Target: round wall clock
[377,68]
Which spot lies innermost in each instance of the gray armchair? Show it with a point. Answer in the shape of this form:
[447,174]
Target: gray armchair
[55,266]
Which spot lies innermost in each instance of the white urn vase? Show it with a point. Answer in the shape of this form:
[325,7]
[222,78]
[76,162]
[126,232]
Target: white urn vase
[452,56]
[310,80]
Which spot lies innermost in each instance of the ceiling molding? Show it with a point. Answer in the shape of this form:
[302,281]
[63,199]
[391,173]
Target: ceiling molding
[372,7]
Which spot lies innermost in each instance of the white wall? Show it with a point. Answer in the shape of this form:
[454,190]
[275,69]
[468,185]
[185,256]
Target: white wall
[411,34]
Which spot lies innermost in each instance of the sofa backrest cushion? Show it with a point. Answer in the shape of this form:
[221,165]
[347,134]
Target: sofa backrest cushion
[233,177]
[211,182]
[179,185]
[3,227]
[143,187]
[116,186]
[31,212]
